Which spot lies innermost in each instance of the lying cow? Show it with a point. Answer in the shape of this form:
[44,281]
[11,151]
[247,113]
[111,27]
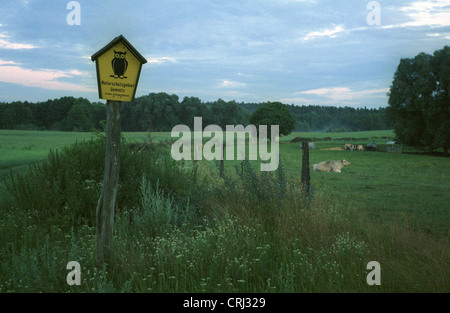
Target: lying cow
[349,147]
[330,166]
[360,148]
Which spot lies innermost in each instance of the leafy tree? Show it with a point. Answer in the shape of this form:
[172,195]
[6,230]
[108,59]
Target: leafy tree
[191,107]
[79,117]
[98,114]
[419,98]
[274,113]
[7,116]
[440,112]
[166,107]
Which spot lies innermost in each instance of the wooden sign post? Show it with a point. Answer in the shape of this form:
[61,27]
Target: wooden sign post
[118,67]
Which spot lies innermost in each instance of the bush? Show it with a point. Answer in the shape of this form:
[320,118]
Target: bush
[64,188]
[267,196]
[158,213]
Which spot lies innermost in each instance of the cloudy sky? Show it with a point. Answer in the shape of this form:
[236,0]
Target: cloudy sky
[319,52]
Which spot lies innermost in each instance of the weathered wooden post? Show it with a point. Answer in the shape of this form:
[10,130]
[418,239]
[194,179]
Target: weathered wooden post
[107,200]
[118,67]
[305,167]
[222,165]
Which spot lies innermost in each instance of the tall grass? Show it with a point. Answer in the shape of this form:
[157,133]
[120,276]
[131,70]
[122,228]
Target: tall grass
[182,228]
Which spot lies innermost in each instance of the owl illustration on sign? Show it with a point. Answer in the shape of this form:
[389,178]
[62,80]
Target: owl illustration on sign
[119,64]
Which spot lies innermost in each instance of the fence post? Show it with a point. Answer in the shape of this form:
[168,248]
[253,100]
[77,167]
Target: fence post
[305,167]
[222,165]
[107,201]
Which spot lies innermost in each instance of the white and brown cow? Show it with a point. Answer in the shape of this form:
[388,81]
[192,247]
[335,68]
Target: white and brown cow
[349,147]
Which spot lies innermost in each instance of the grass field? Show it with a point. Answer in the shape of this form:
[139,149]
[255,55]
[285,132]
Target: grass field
[385,206]
[386,185]
[21,147]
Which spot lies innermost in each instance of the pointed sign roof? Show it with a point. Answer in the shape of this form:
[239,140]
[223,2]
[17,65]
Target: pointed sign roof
[114,42]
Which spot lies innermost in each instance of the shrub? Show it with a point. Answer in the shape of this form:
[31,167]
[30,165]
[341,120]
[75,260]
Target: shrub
[267,196]
[65,187]
[158,213]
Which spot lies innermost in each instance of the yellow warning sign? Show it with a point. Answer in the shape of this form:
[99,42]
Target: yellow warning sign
[118,70]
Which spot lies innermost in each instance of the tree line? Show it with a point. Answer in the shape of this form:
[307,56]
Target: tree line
[161,111]
[314,118]
[65,114]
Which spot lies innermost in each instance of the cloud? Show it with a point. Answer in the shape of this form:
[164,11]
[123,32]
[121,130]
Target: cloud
[337,96]
[325,33]
[230,84]
[444,35]
[343,93]
[161,60]
[10,72]
[335,93]
[296,100]
[75,72]
[425,13]
[5,43]
[2,62]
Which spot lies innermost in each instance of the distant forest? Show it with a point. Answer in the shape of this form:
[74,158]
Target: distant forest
[161,111]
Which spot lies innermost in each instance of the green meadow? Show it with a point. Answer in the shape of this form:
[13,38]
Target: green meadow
[18,148]
[182,228]
[386,185]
